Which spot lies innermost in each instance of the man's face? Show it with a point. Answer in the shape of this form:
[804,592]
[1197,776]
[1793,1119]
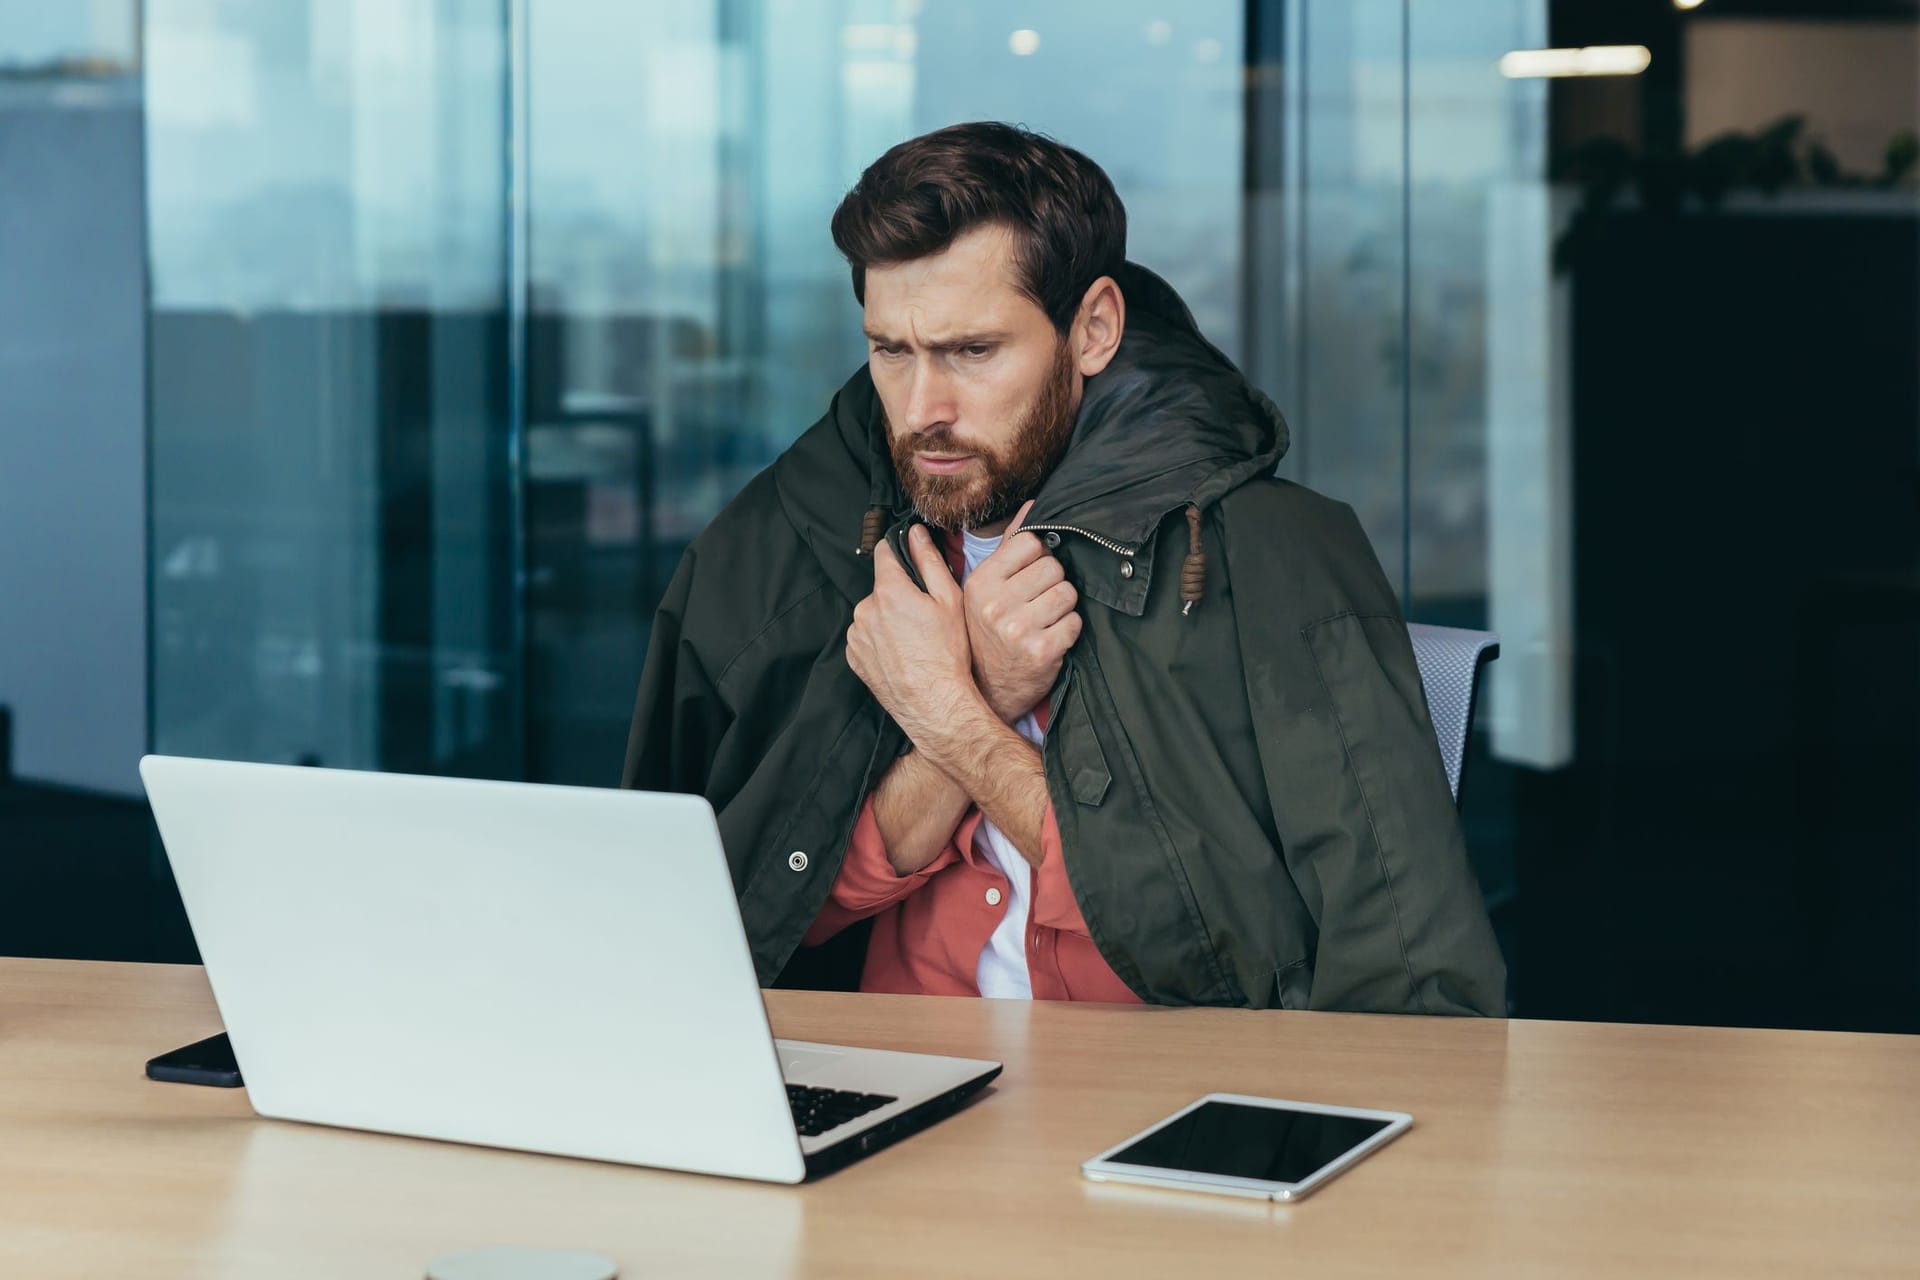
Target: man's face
[979,389]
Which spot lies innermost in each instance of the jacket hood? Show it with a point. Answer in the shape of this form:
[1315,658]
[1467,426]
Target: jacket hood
[1169,423]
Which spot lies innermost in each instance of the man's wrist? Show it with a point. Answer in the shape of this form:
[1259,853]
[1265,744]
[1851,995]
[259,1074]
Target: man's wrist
[986,694]
[970,723]
[1007,715]
[998,769]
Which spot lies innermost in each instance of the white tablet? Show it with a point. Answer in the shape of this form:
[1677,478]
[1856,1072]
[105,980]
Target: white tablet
[1237,1145]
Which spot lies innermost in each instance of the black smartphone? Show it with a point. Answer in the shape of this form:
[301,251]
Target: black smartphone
[208,1061]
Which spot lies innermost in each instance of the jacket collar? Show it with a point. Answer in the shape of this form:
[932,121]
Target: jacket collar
[1169,423]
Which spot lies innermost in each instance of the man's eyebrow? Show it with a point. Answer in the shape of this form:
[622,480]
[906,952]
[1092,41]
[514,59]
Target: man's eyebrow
[950,344]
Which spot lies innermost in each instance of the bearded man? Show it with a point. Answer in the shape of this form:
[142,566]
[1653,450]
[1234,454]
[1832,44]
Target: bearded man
[1023,655]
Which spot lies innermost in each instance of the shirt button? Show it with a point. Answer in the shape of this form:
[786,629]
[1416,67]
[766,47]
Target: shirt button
[1126,568]
[993,897]
[797,860]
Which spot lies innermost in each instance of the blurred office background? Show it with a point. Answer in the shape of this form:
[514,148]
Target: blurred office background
[366,365]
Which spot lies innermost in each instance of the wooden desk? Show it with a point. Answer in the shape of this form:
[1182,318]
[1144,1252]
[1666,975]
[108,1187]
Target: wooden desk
[1538,1149]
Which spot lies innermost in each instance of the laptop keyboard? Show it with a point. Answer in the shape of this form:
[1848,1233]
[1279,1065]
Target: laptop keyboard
[817,1110]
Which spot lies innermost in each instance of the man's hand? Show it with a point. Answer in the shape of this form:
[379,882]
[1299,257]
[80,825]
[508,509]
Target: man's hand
[1020,622]
[909,645]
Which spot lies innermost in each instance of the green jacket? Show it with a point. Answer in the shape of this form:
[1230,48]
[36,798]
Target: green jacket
[1251,802]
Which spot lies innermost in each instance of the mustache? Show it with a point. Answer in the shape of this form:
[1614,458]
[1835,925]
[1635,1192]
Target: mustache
[940,440]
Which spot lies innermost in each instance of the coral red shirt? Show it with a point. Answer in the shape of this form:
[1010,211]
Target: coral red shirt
[930,927]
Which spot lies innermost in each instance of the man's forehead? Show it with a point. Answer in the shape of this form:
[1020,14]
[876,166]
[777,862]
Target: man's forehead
[966,288]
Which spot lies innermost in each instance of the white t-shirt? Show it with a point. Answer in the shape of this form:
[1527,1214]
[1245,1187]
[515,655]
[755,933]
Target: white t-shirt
[1003,961]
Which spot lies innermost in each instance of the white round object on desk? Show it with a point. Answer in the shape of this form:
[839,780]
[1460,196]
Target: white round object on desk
[522,1264]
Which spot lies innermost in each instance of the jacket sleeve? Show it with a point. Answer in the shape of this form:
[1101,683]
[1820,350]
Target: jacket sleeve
[678,717]
[1360,798]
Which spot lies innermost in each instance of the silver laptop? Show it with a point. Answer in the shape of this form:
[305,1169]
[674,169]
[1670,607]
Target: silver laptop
[553,969]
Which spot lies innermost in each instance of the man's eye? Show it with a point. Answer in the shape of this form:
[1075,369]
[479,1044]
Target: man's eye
[889,351]
[977,350]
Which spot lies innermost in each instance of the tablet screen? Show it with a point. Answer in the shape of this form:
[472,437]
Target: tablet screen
[1239,1141]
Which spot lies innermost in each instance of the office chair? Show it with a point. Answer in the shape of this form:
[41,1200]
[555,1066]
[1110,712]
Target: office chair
[1450,662]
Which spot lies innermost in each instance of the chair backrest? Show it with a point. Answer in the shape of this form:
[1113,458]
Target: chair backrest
[1450,660]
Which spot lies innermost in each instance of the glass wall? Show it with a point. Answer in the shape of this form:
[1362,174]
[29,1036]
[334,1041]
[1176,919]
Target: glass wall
[77,877]
[1664,417]
[333,541]
[468,317]
[72,474]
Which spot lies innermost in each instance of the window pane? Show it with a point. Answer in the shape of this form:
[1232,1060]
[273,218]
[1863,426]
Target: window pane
[332,534]
[1665,436]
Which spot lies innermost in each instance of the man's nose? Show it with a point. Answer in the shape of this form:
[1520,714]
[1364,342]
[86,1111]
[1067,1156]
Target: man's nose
[930,403]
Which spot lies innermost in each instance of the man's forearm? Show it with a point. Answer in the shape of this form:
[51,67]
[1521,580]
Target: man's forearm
[999,769]
[917,807]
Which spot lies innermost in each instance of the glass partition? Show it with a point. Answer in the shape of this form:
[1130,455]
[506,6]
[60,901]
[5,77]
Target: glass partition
[333,532]
[1664,424]
[467,318]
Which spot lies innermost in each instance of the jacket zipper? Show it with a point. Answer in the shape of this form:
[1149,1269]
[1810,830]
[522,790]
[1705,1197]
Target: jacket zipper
[1108,543]
[1088,534]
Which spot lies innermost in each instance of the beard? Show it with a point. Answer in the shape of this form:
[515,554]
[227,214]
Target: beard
[1011,474]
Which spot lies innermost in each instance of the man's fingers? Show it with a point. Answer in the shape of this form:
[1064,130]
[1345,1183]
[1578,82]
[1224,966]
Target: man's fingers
[886,567]
[1067,630]
[932,565]
[1053,604]
[1015,552]
[1036,579]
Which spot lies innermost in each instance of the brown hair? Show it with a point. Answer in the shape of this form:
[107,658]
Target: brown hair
[1068,224]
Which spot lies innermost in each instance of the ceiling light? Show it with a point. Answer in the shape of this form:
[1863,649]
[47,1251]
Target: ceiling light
[1023,42]
[1594,60]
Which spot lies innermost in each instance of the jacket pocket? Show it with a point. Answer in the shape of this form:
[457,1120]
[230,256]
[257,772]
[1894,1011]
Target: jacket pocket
[1081,759]
[1293,985]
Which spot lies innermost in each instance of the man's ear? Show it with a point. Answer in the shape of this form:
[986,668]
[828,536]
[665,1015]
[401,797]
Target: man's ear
[1097,326]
